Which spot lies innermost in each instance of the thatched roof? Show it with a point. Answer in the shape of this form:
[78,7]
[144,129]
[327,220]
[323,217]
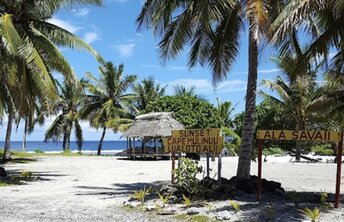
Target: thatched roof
[153,125]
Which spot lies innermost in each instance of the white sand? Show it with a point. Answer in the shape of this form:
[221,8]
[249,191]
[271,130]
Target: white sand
[90,188]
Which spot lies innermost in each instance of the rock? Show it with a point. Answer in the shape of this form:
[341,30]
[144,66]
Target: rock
[134,204]
[270,185]
[224,215]
[150,208]
[126,203]
[245,185]
[168,211]
[192,211]
[3,173]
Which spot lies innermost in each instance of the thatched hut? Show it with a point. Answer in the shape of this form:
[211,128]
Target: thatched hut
[150,127]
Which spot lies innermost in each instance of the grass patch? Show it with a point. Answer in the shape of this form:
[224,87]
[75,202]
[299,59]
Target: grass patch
[194,218]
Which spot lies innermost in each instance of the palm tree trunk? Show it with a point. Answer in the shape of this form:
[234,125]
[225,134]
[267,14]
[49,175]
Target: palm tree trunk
[7,148]
[101,142]
[299,144]
[244,165]
[24,135]
[64,141]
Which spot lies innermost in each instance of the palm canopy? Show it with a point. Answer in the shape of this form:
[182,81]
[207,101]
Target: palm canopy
[147,91]
[322,19]
[31,39]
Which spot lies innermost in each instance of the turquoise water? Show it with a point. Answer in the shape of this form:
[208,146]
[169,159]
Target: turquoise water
[57,146]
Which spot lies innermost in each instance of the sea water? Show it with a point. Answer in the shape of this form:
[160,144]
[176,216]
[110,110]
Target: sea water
[88,146]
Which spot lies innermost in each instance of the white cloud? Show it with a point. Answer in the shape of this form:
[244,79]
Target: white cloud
[178,68]
[204,86]
[64,24]
[81,12]
[125,50]
[90,37]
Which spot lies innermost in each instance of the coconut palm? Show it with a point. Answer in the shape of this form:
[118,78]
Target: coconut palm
[31,42]
[180,90]
[147,91]
[67,119]
[323,20]
[297,86]
[212,29]
[106,106]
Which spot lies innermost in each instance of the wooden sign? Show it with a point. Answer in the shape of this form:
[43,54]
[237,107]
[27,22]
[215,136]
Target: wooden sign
[298,135]
[194,141]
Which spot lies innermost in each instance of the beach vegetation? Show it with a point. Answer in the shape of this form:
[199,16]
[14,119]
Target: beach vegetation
[37,150]
[313,215]
[323,150]
[294,197]
[191,111]
[107,102]
[186,201]
[235,205]
[186,173]
[26,175]
[141,194]
[164,199]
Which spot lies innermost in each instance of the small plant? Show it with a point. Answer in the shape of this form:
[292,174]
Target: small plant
[141,194]
[26,175]
[186,201]
[235,205]
[312,214]
[270,212]
[163,199]
[323,198]
[38,150]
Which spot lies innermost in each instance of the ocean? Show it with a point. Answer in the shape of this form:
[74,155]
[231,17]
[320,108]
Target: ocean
[114,146]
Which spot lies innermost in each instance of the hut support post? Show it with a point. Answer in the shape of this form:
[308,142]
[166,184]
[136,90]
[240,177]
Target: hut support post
[128,147]
[219,169]
[173,167]
[134,147]
[339,170]
[259,180]
[179,159]
[208,155]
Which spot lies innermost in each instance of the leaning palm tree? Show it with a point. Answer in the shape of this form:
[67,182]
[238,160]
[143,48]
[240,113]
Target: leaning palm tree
[212,29]
[106,106]
[147,91]
[67,119]
[297,87]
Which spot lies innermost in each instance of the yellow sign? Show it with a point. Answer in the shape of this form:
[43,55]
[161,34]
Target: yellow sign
[194,141]
[298,135]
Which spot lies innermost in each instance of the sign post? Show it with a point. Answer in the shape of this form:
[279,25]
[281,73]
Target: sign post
[301,135]
[339,171]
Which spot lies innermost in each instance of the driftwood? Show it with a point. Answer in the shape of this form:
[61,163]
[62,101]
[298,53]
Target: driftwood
[293,154]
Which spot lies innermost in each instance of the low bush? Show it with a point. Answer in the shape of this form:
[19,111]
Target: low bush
[324,150]
[186,180]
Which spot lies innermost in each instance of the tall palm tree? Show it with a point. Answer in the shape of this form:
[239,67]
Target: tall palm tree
[31,41]
[180,90]
[297,87]
[108,100]
[212,29]
[67,119]
[147,91]
[225,110]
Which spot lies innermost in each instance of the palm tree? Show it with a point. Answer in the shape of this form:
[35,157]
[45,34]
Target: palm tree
[212,29]
[67,109]
[225,110]
[31,42]
[180,90]
[297,89]
[106,106]
[147,91]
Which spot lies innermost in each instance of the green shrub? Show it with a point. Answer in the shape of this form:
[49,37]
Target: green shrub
[235,205]
[38,150]
[325,150]
[186,180]
[26,175]
[186,201]
[163,199]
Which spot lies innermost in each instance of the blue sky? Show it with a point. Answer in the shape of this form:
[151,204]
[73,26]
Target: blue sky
[111,30]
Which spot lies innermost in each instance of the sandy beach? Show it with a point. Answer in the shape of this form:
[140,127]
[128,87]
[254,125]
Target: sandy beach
[91,188]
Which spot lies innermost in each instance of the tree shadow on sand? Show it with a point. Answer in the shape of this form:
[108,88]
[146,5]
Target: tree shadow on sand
[119,189]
